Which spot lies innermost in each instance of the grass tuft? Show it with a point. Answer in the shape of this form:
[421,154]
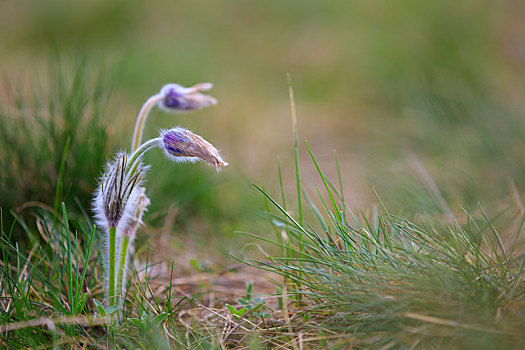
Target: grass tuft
[53,137]
[383,280]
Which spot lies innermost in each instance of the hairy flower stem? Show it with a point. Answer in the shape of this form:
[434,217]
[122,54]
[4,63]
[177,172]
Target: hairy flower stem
[140,151]
[123,257]
[141,120]
[126,242]
[112,248]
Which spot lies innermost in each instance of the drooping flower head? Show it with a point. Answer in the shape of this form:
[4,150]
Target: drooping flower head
[118,187]
[182,145]
[177,98]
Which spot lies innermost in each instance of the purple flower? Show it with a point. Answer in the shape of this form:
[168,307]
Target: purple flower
[177,98]
[182,145]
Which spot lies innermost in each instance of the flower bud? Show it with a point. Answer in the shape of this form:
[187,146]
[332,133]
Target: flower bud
[182,145]
[115,190]
[177,98]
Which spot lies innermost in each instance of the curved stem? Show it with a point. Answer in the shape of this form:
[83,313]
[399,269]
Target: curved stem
[141,120]
[112,245]
[123,257]
[138,153]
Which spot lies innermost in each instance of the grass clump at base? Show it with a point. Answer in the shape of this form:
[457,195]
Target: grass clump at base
[51,295]
[385,281]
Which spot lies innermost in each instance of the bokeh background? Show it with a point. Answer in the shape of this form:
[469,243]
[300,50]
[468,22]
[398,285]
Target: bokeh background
[421,100]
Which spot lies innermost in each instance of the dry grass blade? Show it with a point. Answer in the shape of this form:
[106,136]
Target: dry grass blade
[84,321]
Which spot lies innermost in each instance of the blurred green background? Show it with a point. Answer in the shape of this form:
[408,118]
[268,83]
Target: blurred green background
[423,100]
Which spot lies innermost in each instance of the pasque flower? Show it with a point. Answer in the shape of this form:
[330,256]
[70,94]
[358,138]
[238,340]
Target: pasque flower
[115,189]
[177,98]
[120,200]
[115,202]
[182,145]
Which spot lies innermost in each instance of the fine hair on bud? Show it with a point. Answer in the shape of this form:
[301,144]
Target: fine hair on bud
[116,187]
[182,145]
